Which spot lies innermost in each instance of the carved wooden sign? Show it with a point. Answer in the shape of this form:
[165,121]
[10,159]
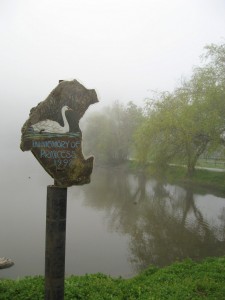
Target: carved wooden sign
[53,135]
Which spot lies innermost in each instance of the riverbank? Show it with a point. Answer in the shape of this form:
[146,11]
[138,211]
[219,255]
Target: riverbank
[207,178]
[183,280]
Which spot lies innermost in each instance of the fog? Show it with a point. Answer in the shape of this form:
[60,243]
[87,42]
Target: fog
[123,49]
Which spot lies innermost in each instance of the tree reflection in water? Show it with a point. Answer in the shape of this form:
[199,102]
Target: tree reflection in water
[164,222]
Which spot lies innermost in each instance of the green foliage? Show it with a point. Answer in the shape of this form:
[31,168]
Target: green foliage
[108,133]
[201,177]
[182,125]
[93,287]
[27,288]
[176,127]
[182,280]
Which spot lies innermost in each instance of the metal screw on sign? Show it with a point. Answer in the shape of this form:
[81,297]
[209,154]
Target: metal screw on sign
[53,135]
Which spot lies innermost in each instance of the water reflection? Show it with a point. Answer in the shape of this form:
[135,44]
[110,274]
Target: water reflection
[118,224]
[164,222]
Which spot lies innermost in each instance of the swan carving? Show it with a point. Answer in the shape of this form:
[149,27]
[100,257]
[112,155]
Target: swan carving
[53,126]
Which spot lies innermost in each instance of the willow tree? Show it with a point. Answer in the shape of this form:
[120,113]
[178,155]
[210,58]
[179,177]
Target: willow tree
[181,125]
[108,133]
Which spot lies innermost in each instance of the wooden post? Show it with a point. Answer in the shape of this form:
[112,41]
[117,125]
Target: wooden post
[55,242]
[58,149]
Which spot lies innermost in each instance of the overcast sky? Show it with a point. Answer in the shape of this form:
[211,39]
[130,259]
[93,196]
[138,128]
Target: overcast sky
[122,48]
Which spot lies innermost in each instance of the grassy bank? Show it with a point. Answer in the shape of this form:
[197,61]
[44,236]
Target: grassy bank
[201,177]
[185,280]
[211,179]
[211,163]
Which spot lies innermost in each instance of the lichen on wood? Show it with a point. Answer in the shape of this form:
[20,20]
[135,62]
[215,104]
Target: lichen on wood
[53,135]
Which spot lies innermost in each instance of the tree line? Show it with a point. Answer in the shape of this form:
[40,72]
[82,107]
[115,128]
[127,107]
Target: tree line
[177,126]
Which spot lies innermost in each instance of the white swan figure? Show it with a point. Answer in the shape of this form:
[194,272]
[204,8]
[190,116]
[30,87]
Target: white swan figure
[53,126]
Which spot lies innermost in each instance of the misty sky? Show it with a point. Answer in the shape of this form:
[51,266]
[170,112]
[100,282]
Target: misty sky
[122,48]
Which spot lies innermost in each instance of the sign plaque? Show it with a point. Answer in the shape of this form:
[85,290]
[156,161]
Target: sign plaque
[53,135]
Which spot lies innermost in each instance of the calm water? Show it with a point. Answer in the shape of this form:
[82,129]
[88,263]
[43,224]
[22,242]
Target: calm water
[118,224]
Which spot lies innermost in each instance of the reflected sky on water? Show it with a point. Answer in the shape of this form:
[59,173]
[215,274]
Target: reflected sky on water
[118,224]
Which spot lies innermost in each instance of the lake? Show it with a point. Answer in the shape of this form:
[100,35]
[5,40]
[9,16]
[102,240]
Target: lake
[119,224]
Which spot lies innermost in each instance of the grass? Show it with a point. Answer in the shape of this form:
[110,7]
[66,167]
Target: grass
[211,163]
[202,178]
[183,280]
[210,179]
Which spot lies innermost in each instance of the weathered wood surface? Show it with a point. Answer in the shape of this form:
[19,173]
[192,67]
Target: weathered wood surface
[53,135]
[5,263]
